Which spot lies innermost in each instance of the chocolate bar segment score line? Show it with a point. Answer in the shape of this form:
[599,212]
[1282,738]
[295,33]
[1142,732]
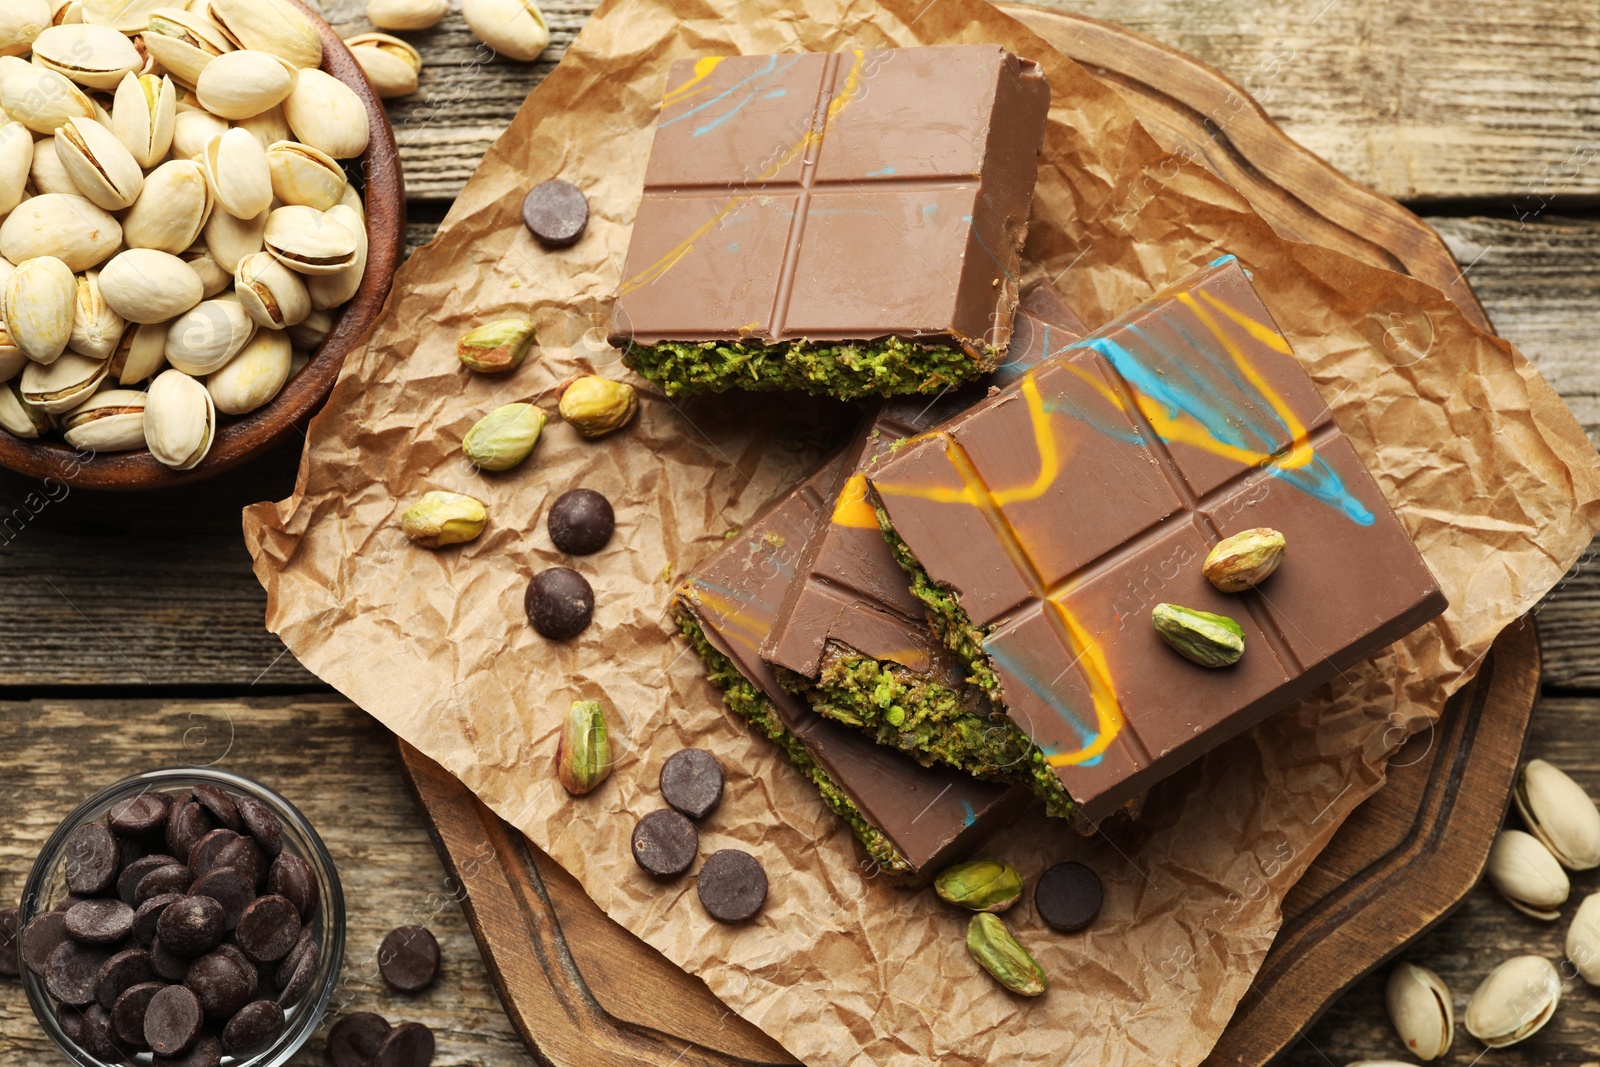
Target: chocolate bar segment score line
[875,247]
[1183,422]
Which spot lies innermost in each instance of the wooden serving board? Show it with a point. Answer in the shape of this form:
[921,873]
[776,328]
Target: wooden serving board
[581,990]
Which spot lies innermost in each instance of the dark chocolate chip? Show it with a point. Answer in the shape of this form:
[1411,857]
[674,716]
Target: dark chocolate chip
[559,603]
[127,1014]
[732,885]
[353,1041]
[192,926]
[128,880]
[246,857]
[580,522]
[555,212]
[140,815]
[284,972]
[229,888]
[10,934]
[691,781]
[187,823]
[168,964]
[203,857]
[408,959]
[129,849]
[263,824]
[224,983]
[269,928]
[99,922]
[91,859]
[299,982]
[293,877]
[171,878]
[122,972]
[665,843]
[1067,896]
[41,937]
[254,1024]
[407,1045]
[207,1052]
[73,970]
[220,805]
[97,1038]
[173,1020]
[71,1022]
[148,914]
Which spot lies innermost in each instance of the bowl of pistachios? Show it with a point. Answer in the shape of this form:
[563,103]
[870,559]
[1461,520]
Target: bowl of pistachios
[201,212]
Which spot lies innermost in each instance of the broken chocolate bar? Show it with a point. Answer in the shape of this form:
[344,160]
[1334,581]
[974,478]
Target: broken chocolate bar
[911,819]
[1042,527]
[852,638]
[846,224]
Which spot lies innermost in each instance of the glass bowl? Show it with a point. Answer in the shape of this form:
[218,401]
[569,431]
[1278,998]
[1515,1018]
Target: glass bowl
[47,884]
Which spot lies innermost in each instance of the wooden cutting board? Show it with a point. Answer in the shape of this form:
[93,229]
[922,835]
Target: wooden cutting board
[581,990]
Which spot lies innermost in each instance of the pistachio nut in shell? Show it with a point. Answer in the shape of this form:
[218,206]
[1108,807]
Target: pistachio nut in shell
[179,420]
[441,518]
[1514,1001]
[504,437]
[64,384]
[310,334]
[1420,1008]
[496,347]
[213,279]
[41,99]
[270,293]
[275,26]
[236,166]
[268,128]
[406,14]
[1527,875]
[12,358]
[17,416]
[192,131]
[980,885]
[143,116]
[514,28]
[21,22]
[596,406]
[1583,939]
[230,239]
[95,57]
[254,376]
[991,943]
[326,114]
[1199,636]
[330,290]
[583,753]
[310,241]
[111,420]
[1560,814]
[16,161]
[184,42]
[37,307]
[47,173]
[144,285]
[96,329]
[170,214]
[1245,559]
[140,354]
[244,83]
[304,175]
[70,228]
[208,335]
[100,165]
[392,66]
[128,16]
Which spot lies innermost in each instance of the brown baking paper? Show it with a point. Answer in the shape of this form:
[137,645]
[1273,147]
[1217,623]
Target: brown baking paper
[1487,469]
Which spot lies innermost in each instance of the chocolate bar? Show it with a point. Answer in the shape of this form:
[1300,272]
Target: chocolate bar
[853,640]
[1042,527]
[912,820]
[846,224]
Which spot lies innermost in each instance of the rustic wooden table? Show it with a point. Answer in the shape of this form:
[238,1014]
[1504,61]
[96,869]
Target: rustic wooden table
[132,632]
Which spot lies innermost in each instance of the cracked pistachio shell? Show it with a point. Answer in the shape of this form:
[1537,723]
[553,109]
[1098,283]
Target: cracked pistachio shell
[330,290]
[213,279]
[16,160]
[69,228]
[37,307]
[254,376]
[172,210]
[184,42]
[41,99]
[20,418]
[325,113]
[1514,1002]
[1527,875]
[128,16]
[441,518]
[180,420]
[1420,1008]
[275,26]
[304,175]
[66,12]
[47,173]
[111,420]
[596,406]
[95,57]
[231,239]
[390,64]
[144,285]
[310,334]
[208,335]
[583,754]
[140,354]
[241,84]
[981,885]
[21,22]
[504,437]
[1583,939]
[1560,814]
[310,241]
[406,14]
[192,130]
[236,166]
[64,384]
[100,165]
[514,28]
[268,128]
[270,293]
[96,329]
[143,116]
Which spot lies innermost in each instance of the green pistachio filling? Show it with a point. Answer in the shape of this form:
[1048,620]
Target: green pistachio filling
[888,367]
[746,701]
[949,623]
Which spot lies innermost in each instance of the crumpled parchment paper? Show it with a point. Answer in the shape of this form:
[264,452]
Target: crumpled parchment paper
[1487,469]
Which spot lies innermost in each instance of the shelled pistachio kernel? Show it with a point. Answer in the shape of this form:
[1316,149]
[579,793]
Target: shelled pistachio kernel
[583,755]
[504,437]
[597,406]
[442,518]
[1199,636]
[991,943]
[980,885]
[496,347]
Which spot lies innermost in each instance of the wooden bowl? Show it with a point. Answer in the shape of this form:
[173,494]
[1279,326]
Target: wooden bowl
[241,438]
